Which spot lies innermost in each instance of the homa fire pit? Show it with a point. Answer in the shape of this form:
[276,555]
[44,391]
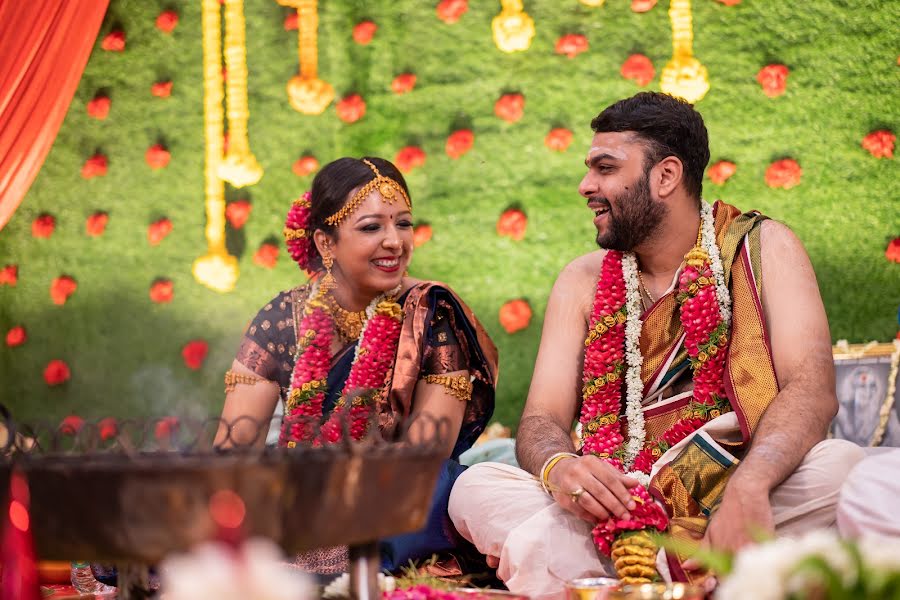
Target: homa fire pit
[135,496]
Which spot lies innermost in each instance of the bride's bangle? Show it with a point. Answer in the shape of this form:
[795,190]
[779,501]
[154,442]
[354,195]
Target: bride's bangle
[549,464]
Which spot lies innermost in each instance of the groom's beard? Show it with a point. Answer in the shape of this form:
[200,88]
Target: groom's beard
[633,218]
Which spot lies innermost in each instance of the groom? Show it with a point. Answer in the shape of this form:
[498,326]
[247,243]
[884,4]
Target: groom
[694,350]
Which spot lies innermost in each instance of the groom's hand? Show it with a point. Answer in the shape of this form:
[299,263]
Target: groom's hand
[605,490]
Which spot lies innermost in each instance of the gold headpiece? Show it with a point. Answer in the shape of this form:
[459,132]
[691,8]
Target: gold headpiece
[390,191]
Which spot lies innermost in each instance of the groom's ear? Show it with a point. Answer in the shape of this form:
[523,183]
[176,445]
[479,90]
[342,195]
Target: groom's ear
[667,175]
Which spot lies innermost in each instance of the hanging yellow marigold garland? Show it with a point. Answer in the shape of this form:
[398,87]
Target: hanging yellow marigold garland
[683,76]
[216,269]
[513,27]
[306,92]
[240,167]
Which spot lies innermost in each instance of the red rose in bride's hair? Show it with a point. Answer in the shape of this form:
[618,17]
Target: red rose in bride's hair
[297,239]
[266,256]
[305,165]
[409,157]
[510,107]
[638,68]
[880,144]
[16,336]
[351,108]
[194,353]
[114,41]
[784,173]
[421,234]
[9,275]
[98,107]
[571,44]
[96,224]
[403,83]
[558,139]
[95,166]
[166,21]
[773,79]
[363,32]
[512,223]
[515,315]
[238,212]
[450,11]
[56,372]
[43,226]
[720,172]
[61,288]
[459,143]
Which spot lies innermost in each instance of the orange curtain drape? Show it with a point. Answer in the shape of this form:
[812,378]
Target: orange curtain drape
[44,46]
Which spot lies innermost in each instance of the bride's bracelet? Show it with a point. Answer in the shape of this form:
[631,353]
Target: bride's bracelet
[549,464]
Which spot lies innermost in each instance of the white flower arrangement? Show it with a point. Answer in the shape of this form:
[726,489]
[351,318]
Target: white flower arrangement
[634,387]
[708,241]
[819,565]
[255,571]
[339,587]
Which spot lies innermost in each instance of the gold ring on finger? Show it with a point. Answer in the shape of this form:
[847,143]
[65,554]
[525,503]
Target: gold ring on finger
[576,494]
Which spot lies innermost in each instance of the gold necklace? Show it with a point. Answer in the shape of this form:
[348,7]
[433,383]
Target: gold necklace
[644,287]
[349,324]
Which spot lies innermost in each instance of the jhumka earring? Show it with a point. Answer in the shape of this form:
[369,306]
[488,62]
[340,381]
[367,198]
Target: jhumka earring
[328,282]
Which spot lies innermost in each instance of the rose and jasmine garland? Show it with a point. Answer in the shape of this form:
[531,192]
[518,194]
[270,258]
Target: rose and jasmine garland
[373,354]
[612,354]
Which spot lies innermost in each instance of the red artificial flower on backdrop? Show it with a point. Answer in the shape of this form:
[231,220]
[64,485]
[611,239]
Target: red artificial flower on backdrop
[515,315]
[266,256]
[892,252]
[880,144]
[166,21]
[571,44]
[43,226]
[98,107]
[16,336]
[351,108]
[238,212]
[71,425]
[558,139]
[157,157]
[95,224]
[9,275]
[225,139]
[305,165]
[729,2]
[56,372]
[166,428]
[459,142]
[409,157]
[510,107]
[291,21]
[194,353]
[784,173]
[114,41]
[161,89]
[61,288]
[95,166]
[642,6]
[639,69]
[421,234]
[158,230]
[773,79]
[108,428]
[364,31]
[450,11]
[162,291]
[512,223]
[403,83]
[720,172]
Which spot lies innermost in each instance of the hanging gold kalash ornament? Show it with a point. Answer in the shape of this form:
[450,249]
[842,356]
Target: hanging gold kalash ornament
[217,269]
[513,28]
[306,92]
[240,167]
[683,76]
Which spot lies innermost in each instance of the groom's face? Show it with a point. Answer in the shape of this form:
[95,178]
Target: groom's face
[617,188]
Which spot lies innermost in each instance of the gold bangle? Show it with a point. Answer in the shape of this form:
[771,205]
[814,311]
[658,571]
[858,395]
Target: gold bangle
[459,386]
[549,464]
[232,379]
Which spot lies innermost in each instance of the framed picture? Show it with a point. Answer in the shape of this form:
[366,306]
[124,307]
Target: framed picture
[866,378]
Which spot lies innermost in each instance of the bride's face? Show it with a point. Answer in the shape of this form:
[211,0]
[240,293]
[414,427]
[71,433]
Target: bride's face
[373,246]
